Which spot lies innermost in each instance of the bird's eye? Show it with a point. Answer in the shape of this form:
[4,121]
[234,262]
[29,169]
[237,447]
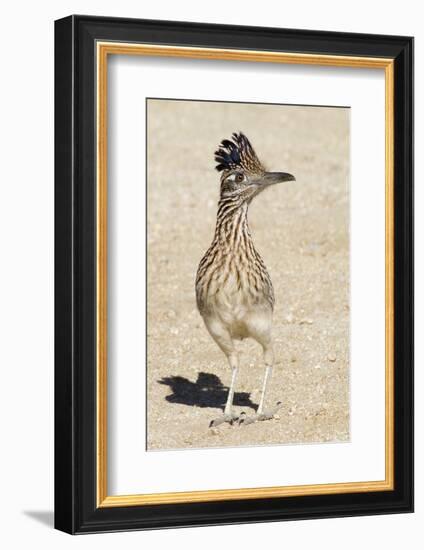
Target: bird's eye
[239,177]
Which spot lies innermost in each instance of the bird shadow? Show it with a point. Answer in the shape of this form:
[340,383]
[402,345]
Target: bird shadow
[207,391]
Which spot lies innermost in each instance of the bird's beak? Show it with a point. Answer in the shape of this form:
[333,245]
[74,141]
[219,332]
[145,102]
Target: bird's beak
[270,178]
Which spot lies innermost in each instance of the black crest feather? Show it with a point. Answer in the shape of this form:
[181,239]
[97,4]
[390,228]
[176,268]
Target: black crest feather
[237,153]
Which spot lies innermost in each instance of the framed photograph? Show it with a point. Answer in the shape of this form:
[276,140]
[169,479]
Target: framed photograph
[234,274]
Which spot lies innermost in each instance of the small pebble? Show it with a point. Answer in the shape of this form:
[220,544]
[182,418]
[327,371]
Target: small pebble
[332,357]
[214,431]
[317,366]
[306,322]
[277,416]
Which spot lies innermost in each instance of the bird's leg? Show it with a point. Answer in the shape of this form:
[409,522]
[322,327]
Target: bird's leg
[229,404]
[267,377]
[262,414]
[228,415]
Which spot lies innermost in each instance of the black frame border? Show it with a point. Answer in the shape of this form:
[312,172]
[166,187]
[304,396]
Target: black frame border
[75,274]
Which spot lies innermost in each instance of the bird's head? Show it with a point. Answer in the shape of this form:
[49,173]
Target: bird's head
[242,173]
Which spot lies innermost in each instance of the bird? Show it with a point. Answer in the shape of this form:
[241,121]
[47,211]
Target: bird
[234,292]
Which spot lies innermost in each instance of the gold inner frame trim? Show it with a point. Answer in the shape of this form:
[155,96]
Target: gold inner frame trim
[104,49]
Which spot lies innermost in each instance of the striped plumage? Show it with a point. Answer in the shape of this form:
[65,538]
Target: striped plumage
[232,261]
[234,292]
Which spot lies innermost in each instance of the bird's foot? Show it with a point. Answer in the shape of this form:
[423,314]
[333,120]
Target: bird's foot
[269,414]
[231,418]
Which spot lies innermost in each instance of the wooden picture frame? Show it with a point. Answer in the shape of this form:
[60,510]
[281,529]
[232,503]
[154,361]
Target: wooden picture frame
[83,45]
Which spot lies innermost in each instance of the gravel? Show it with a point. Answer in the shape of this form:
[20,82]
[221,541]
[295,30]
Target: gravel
[301,230]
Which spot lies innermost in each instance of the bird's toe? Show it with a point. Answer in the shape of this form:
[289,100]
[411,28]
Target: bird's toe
[268,414]
[248,420]
[230,418]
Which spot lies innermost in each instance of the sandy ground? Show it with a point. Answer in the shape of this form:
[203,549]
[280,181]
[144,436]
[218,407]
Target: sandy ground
[302,232]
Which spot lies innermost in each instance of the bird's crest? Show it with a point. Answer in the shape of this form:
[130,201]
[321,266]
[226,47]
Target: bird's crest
[238,153]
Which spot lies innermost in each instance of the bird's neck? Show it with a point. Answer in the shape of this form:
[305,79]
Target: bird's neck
[232,227]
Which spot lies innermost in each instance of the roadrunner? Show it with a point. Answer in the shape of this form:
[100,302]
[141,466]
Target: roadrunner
[234,291]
